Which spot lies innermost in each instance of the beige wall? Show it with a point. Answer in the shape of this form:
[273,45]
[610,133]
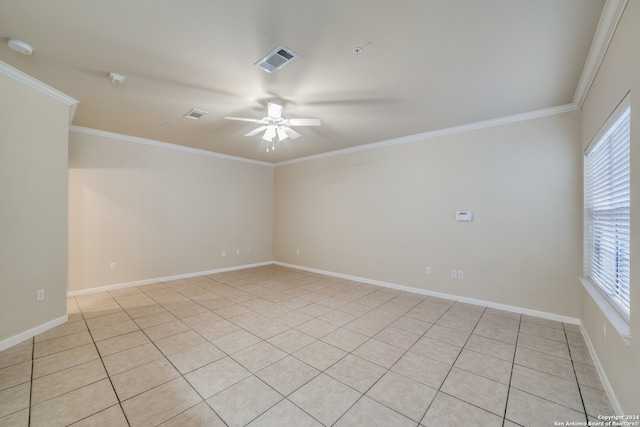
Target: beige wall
[33,207]
[160,212]
[619,74]
[387,214]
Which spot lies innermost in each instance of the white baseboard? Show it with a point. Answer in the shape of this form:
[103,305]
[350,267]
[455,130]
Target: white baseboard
[551,316]
[162,279]
[514,309]
[17,339]
[603,376]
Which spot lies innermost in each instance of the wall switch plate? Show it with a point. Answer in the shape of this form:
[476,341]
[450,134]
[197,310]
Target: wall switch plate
[40,295]
[237,251]
[113,265]
[223,253]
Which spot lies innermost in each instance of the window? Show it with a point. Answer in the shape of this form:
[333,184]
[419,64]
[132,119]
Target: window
[607,210]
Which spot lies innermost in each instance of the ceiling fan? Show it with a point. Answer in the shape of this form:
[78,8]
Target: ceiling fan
[276,125]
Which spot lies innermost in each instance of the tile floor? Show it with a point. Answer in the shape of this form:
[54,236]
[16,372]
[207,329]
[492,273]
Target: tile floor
[273,346]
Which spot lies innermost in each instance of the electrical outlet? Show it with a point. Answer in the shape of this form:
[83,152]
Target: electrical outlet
[460,274]
[113,265]
[223,253]
[428,270]
[454,273]
[40,295]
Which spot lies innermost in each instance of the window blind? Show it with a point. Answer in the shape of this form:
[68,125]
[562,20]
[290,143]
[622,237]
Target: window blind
[607,210]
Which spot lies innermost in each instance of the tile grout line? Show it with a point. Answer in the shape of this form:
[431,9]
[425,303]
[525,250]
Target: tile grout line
[454,361]
[206,340]
[258,294]
[164,356]
[320,372]
[67,368]
[151,341]
[324,370]
[513,363]
[33,354]
[103,367]
[288,354]
[98,353]
[224,352]
[546,398]
[387,369]
[573,366]
[452,366]
[348,353]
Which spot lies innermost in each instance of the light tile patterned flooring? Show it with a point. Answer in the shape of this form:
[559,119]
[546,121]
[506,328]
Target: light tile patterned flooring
[272,346]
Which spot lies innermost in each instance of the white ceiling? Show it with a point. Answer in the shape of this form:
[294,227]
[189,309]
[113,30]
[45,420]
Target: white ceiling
[425,64]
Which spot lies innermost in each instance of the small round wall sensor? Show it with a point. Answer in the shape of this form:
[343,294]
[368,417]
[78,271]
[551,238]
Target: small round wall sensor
[20,46]
[357,50]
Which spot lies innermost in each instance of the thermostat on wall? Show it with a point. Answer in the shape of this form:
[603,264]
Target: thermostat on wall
[464,216]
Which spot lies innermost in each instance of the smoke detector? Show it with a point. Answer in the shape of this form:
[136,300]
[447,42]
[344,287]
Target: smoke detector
[20,46]
[276,59]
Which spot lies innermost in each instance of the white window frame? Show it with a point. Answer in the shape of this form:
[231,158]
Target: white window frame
[608,295]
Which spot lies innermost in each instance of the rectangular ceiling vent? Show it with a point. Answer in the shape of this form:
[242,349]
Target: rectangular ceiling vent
[276,59]
[195,114]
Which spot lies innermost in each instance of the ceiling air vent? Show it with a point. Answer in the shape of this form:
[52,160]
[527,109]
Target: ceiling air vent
[276,59]
[195,114]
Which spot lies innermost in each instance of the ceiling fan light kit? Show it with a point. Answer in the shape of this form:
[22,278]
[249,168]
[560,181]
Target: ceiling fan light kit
[275,125]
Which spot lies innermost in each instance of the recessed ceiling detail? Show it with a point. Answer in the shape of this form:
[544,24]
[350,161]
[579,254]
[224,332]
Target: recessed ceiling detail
[195,114]
[276,59]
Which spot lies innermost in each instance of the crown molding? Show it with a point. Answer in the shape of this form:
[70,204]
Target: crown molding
[160,144]
[611,14]
[609,19]
[440,132]
[33,83]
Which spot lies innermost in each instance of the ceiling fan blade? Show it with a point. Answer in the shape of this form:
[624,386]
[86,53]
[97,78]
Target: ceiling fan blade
[304,122]
[244,119]
[256,131]
[274,110]
[290,132]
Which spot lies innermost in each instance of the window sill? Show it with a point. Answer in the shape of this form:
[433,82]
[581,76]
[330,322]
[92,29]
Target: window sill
[619,323]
